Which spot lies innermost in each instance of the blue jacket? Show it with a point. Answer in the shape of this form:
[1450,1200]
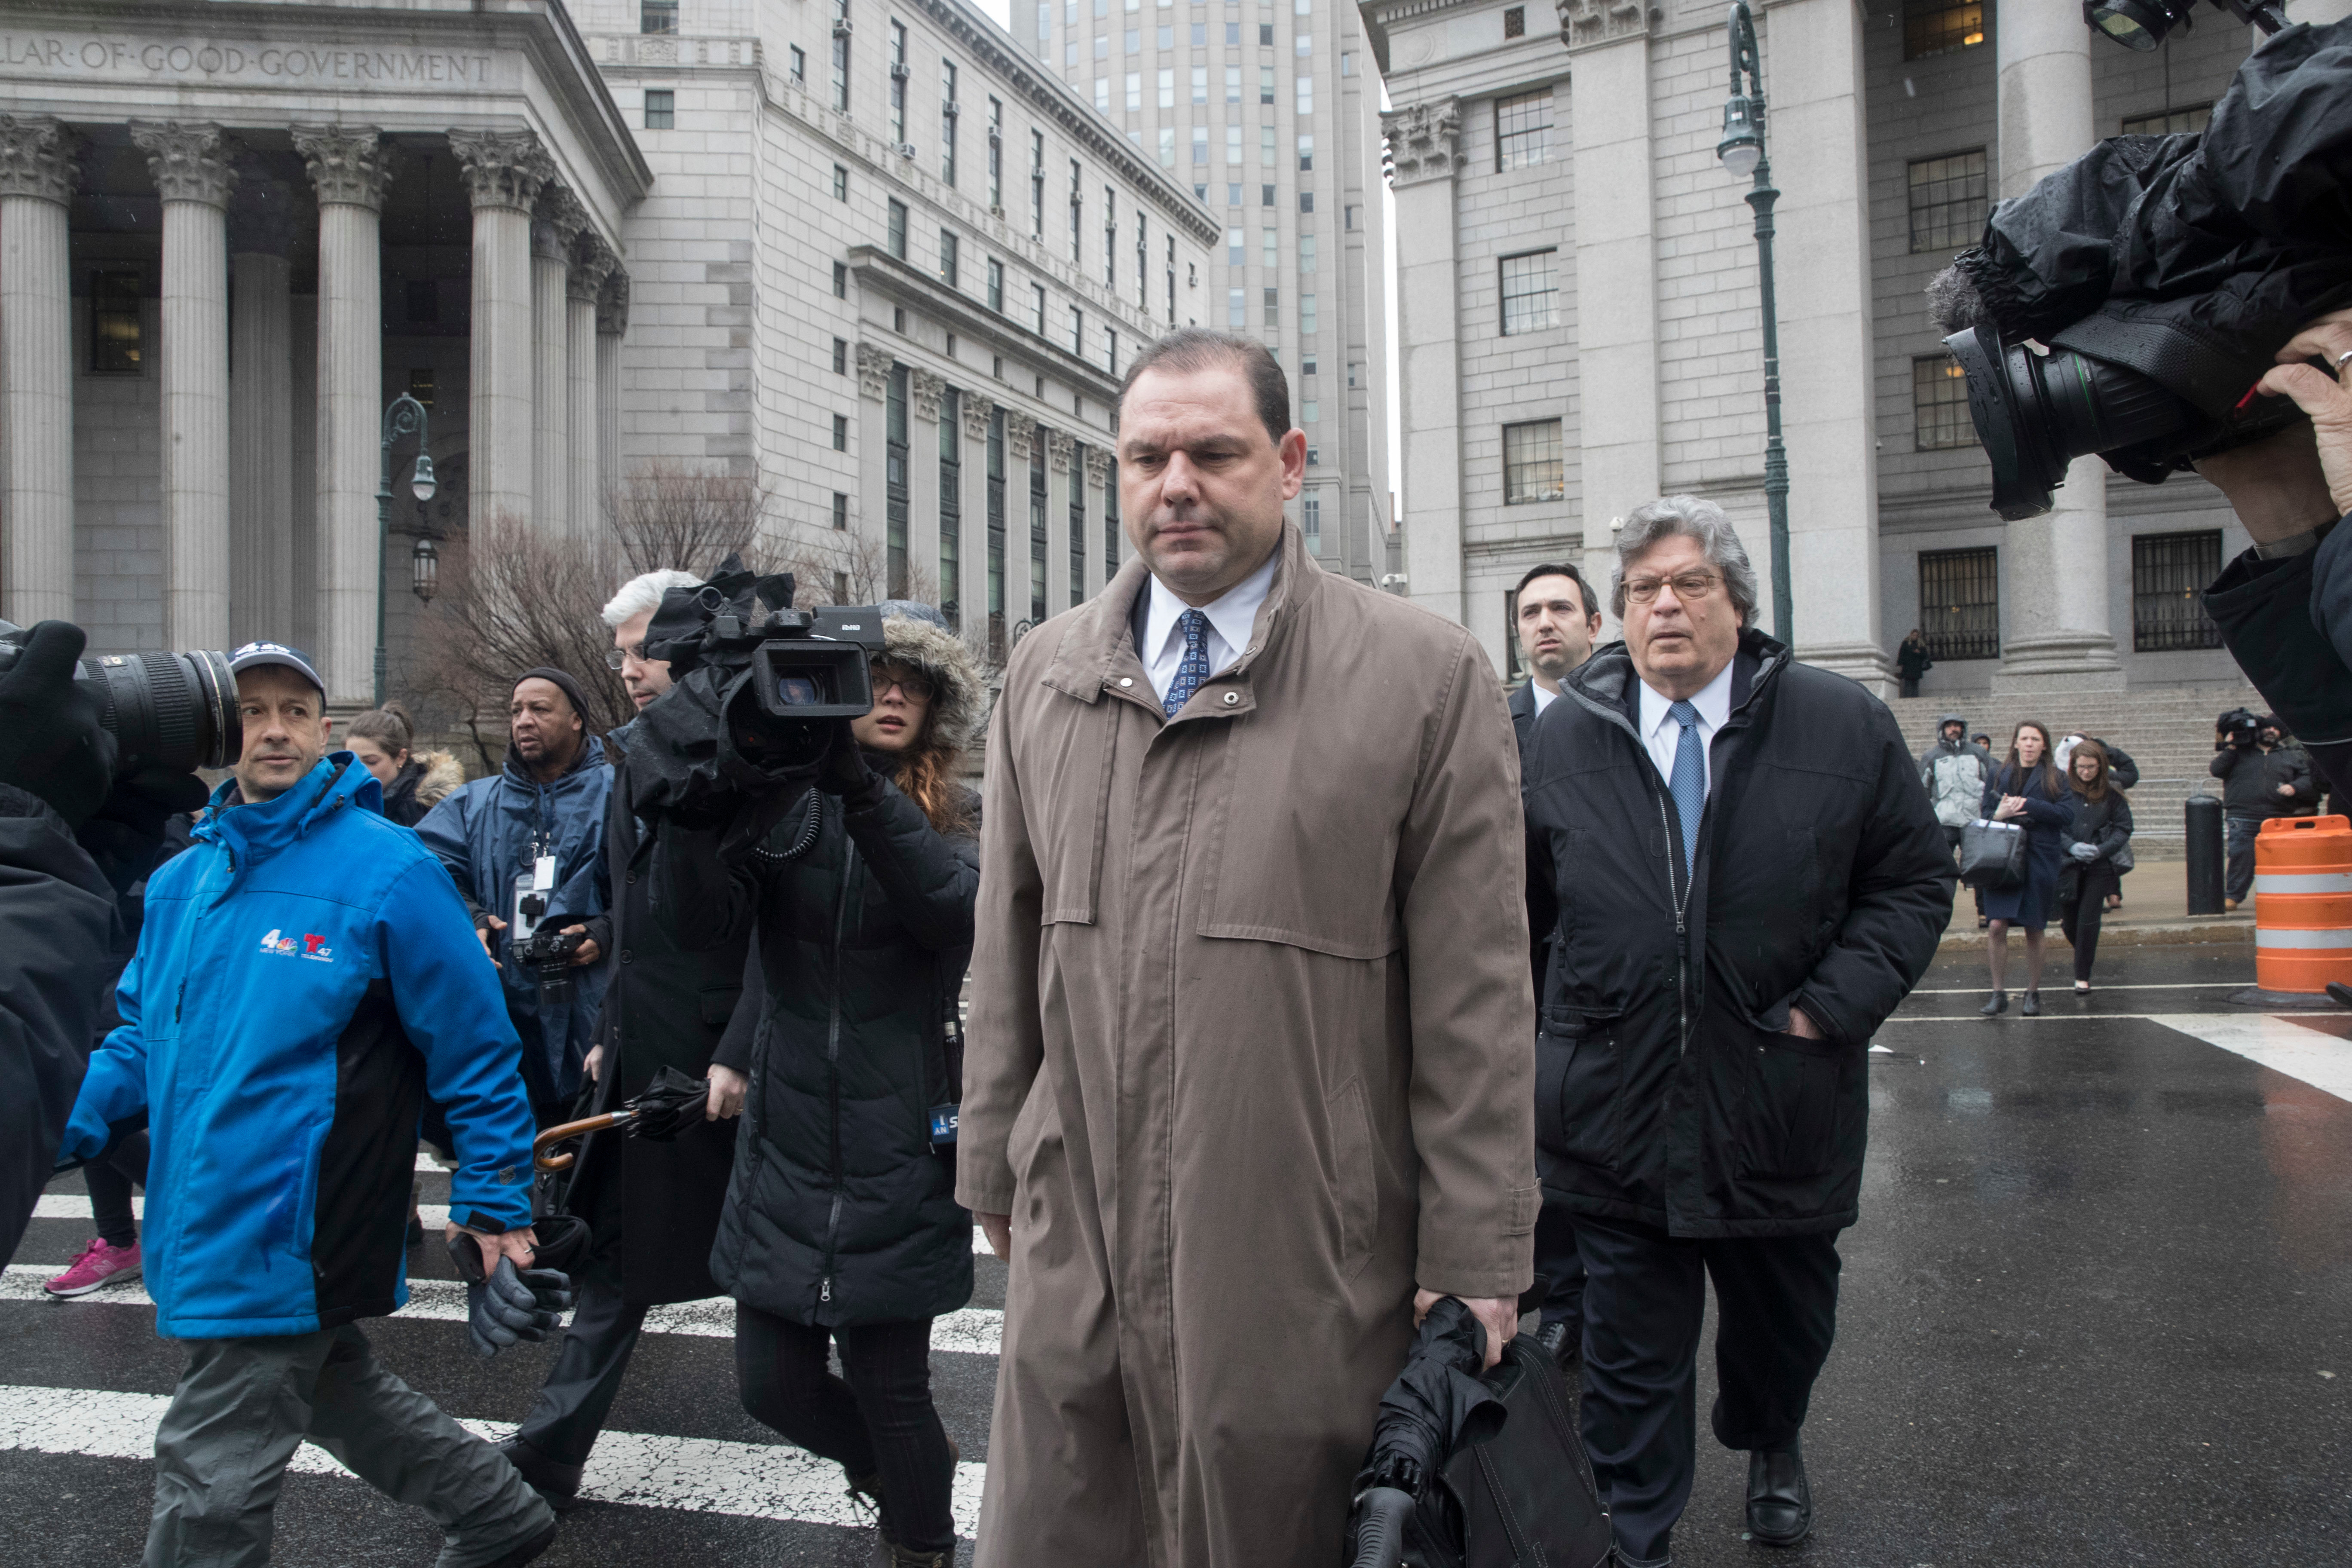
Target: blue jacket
[306,975]
[486,834]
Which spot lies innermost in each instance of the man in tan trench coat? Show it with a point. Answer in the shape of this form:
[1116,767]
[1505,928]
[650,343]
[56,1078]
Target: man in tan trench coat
[1249,1080]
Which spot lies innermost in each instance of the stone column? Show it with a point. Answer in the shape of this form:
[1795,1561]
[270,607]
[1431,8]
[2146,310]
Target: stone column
[504,171]
[923,392]
[1102,552]
[612,326]
[1615,261]
[972,593]
[557,223]
[38,175]
[191,167]
[261,412]
[1815,136]
[1058,480]
[591,262]
[869,457]
[1021,454]
[349,165]
[2053,568]
[302,348]
[1423,153]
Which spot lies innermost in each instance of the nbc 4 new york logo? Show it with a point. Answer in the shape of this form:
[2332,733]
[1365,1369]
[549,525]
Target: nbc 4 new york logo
[310,945]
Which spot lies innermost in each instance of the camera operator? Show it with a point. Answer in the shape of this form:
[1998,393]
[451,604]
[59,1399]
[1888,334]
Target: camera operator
[528,838]
[2260,778]
[841,1224]
[652,1207]
[303,977]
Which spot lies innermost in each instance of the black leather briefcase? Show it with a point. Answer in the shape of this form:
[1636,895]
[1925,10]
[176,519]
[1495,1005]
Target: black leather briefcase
[1527,1495]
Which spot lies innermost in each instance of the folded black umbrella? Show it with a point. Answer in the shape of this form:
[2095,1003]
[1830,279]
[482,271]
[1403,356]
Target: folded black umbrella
[1436,1406]
[670,1104]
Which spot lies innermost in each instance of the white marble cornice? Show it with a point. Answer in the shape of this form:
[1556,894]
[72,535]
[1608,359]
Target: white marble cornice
[38,157]
[190,163]
[348,164]
[502,168]
[1423,141]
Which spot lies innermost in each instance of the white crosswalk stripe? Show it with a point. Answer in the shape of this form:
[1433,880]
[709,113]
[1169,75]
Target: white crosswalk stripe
[757,1480]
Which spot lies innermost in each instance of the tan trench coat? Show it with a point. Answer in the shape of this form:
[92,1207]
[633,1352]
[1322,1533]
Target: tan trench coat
[1250,1053]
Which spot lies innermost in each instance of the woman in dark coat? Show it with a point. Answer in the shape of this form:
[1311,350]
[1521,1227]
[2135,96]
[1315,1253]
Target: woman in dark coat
[2025,789]
[841,1225]
[414,783]
[2089,875]
[1911,662]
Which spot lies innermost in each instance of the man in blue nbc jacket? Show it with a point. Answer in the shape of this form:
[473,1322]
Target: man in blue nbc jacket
[307,973]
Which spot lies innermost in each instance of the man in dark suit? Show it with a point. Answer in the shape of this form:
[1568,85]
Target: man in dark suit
[1555,616]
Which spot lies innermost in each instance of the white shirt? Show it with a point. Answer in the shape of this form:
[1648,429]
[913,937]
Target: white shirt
[1232,617]
[1662,734]
[1543,698]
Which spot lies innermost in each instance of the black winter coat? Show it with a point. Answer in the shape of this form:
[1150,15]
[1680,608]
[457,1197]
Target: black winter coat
[665,1007]
[2106,823]
[2046,822]
[1667,1091]
[2251,778]
[839,1210]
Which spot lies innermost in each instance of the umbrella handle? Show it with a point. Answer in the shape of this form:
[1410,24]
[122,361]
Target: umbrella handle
[543,1156]
[1381,1515]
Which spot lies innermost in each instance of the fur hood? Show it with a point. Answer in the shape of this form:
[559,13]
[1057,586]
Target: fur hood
[942,657]
[443,773]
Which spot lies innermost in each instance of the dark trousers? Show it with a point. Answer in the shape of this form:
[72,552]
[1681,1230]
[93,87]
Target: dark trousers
[1952,842]
[2238,833]
[1910,686]
[1557,1262]
[110,1179]
[1644,1295]
[577,1396]
[879,1422]
[2080,918]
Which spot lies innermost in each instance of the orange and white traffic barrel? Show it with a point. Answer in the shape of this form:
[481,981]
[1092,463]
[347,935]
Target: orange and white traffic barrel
[2303,903]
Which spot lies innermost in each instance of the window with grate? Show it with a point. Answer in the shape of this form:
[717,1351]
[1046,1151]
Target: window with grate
[1939,26]
[1532,469]
[1527,292]
[2171,121]
[117,334]
[1959,603]
[1522,129]
[2168,572]
[1515,22]
[1939,405]
[421,385]
[1311,521]
[1948,200]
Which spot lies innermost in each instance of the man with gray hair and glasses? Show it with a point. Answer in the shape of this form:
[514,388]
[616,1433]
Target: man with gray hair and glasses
[1743,878]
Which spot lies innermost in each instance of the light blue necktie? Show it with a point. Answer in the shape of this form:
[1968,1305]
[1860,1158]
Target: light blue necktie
[1688,784]
[1194,672]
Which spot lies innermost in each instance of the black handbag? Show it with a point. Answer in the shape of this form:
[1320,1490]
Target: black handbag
[1993,856]
[1526,1494]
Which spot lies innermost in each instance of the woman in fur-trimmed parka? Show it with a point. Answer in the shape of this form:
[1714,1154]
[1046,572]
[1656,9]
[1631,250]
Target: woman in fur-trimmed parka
[841,1222]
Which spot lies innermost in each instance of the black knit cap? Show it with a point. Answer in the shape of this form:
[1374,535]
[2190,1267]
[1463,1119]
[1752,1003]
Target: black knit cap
[570,687]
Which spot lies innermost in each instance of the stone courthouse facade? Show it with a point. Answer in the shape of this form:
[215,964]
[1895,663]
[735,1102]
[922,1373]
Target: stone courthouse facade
[231,235]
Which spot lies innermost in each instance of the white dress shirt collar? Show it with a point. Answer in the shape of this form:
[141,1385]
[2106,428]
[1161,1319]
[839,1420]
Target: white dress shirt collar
[1232,616]
[1542,699]
[1661,735]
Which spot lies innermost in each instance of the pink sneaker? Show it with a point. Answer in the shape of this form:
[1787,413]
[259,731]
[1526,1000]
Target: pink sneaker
[98,1265]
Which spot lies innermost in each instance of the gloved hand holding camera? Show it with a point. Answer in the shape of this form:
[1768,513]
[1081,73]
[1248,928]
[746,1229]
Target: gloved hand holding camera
[52,741]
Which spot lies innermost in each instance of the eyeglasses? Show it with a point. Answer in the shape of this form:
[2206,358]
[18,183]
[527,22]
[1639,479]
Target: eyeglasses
[615,657]
[915,687]
[1688,587]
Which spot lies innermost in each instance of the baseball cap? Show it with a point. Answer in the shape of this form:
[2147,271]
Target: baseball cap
[260,653]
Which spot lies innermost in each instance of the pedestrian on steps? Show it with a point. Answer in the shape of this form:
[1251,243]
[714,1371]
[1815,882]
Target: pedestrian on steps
[2027,790]
[1911,662]
[2098,835]
[841,1226]
[413,782]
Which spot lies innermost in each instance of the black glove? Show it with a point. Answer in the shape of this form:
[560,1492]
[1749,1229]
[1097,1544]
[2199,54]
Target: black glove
[126,833]
[51,743]
[510,1305]
[844,772]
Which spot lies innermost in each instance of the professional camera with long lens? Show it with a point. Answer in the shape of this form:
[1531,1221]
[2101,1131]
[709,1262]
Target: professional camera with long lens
[173,711]
[2239,728]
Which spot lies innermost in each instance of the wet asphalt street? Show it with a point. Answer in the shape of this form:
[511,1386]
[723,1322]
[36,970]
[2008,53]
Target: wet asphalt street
[2098,1310]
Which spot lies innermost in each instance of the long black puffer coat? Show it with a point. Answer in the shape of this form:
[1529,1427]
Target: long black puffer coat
[840,1210]
[1667,1091]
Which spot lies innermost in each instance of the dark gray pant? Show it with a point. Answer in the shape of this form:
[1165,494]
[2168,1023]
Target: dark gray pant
[244,1406]
[578,1395]
[2239,833]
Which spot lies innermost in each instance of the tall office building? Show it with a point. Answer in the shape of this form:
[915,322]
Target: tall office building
[1270,111]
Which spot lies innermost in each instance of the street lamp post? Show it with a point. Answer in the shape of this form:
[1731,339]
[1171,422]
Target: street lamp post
[405,417]
[1741,151]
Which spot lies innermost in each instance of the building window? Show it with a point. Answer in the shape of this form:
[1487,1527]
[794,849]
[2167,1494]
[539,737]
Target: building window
[657,16]
[1532,469]
[996,286]
[841,280]
[1306,154]
[1939,26]
[2192,120]
[1200,84]
[841,56]
[1111,351]
[1273,307]
[897,233]
[1038,526]
[1306,317]
[952,506]
[1200,146]
[1307,253]
[1948,201]
[1314,457]
[1265,84]
[1234,253]
[1306,85]
[1515,22]
[117,334]
[1236,308]
[1310,513]
[421,385]
[894,478]
[799,66]
[421,302]
[996,155]
[1939,403]
[1167,146]
[1527,292]
[948,270]
[1522,129]
[1078,524]
[996,534]
[898,82]
[1036,184]
[1077,331]
[1037,308]
[1232,84]
[1959,603]
[840,183]
[1110,522]
[661,109]
[840,432]
[1310,412]
[2169,572]
[949,110]
[840,356]
[1306,201]
[1102,95]
[840,511]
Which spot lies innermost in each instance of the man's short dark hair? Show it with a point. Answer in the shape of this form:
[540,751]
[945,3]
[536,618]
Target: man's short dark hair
[1554,569]
[1188,351]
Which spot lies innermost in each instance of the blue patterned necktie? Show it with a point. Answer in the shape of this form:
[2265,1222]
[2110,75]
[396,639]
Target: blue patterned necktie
[1688,784]
[1194,672]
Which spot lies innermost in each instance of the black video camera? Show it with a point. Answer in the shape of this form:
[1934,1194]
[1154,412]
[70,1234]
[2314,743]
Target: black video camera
[546,954]
[2239,728]
[176,712]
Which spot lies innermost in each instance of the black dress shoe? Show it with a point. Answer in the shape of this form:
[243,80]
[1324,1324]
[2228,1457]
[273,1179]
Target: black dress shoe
[558,1483]
[528,1548]
[2030,1005]
[1564,1342]
[1779,1502]
[1995,1006]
